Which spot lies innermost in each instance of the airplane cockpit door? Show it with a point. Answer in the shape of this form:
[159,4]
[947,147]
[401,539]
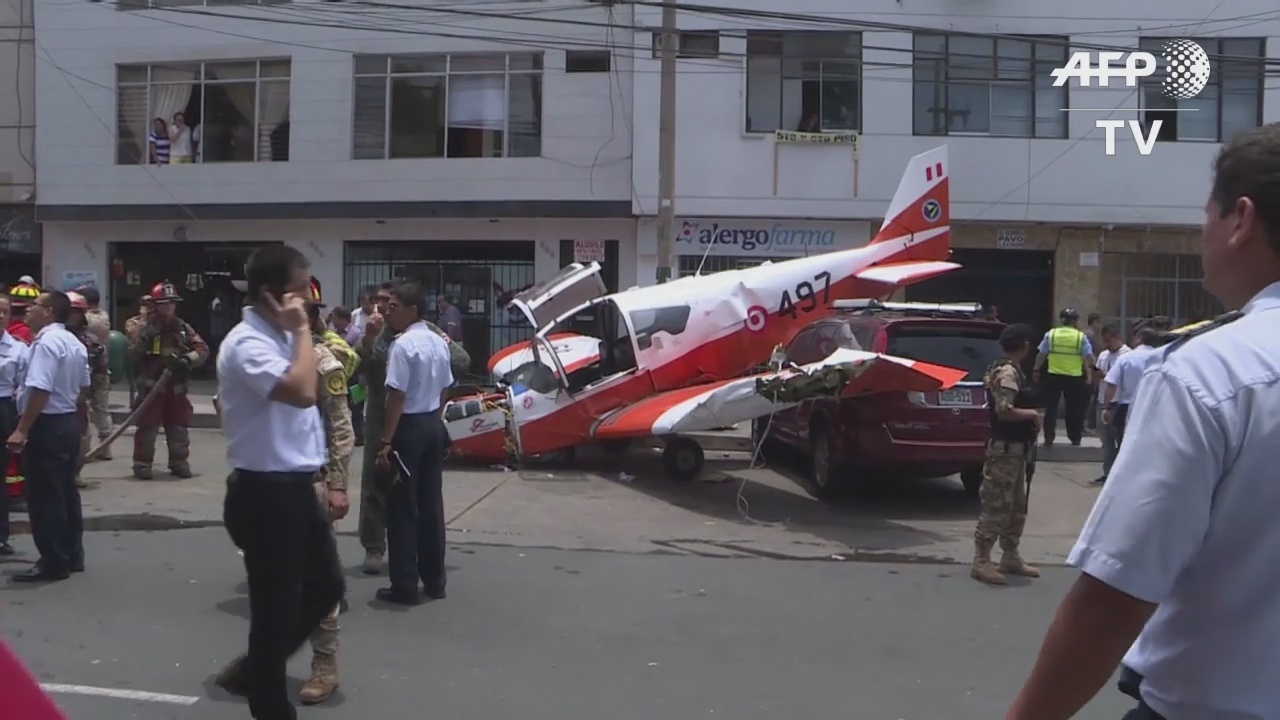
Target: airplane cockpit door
[575,285]
[604,322]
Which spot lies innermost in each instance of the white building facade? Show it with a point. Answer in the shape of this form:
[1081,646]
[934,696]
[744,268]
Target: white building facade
[1043,217]
[476,152]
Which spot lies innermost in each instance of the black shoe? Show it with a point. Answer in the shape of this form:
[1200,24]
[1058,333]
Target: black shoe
[1100,480]
[397,596]
[231,678]
[1075,443]
[77,566]
[433,592]
[37,574]
[6,549]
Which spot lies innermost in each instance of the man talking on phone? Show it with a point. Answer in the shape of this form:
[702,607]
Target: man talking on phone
[275,446]
[413,444]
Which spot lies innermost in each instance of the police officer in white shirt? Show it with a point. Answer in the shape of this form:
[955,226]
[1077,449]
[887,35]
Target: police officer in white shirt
[13,365]
[1120,387]
[1179,573]
[414,441]
[275,447]
[48,435]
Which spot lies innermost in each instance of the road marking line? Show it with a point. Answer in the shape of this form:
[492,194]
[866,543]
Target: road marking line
[119,694]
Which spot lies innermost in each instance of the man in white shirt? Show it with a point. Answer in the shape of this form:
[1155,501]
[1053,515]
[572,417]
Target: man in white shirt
[1113,348]
[414,442]
[48,435]
[1120,388]
[276,447]
[1178,559]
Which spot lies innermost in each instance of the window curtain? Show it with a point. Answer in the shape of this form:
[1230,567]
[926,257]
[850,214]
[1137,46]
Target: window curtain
[478,102]
[242,95]
[170,91]
[273,109]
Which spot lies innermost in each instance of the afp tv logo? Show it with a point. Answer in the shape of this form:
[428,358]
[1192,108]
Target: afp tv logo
[1185,67]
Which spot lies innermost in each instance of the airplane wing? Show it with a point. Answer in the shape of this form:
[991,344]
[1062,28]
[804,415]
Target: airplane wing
[848,373]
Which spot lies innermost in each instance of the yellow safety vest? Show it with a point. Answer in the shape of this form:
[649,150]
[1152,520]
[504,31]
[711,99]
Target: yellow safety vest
[1066,352]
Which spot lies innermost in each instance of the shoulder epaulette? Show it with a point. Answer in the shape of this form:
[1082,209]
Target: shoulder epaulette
[1186,332]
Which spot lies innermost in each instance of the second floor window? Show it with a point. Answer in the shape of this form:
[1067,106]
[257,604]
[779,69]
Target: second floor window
[436,106]
[1002,87]
[808,81]
[189,112]
[1230,102]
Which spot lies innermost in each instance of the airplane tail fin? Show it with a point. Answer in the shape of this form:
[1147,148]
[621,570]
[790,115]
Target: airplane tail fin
[919,216]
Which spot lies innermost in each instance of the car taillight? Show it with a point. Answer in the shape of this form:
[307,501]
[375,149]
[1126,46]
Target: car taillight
[881,342]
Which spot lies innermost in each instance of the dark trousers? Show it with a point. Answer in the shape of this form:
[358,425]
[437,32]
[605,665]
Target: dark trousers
[295,578]
[1119,418]
[8,421]
[1142,712]
[1073,392]
[357,419]
[53,500]
[415,505]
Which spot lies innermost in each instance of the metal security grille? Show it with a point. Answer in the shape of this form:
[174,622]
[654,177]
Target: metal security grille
[480,276]
[688,264]
[1164,284]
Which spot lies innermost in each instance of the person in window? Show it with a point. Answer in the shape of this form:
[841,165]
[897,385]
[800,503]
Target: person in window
[810,124]
[159,142]
[181,149]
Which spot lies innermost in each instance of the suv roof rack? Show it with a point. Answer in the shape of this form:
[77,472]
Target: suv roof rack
[868,307]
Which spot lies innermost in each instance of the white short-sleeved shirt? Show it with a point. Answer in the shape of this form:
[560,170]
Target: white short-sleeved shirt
[59,365]
[14,356]
[1126,372]
[418,366]
[1189,521]
[1106,360]
[264,435]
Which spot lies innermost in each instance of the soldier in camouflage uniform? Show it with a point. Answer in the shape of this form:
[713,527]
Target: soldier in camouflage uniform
[165,341]
[97,352]
[1014,424]
[332,360]
[373,349]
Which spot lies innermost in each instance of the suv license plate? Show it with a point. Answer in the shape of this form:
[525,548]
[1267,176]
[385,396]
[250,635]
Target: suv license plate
[956,397]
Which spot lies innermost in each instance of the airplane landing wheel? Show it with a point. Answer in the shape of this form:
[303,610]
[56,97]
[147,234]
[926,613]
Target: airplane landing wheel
[682,458]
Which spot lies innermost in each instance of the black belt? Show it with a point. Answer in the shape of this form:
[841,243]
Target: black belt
[1130,683]
[274,476]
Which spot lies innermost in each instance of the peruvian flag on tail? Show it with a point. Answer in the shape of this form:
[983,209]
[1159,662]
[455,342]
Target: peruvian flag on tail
[20,693]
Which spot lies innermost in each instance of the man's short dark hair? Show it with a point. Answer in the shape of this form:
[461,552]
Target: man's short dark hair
[1249,166]
[59,305]
[1161,323]
[1095,317]
[1109,331]
[1015,336]
[387,285]
[411,293]
[90,295]
[1147,335]
[341,313]
[273,266]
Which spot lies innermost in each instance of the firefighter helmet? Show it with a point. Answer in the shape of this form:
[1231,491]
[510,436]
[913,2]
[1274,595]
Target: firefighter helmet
[24,294]
[77,301]
[164,291]
[314,295]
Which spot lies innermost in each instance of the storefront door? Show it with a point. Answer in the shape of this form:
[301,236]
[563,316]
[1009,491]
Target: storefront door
[480,277]
[202,273]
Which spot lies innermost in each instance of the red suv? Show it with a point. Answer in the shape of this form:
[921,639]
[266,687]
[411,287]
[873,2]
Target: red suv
[932,434]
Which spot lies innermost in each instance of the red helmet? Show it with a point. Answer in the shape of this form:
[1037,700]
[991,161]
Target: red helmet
[313,290]
[77,301]
[164,291]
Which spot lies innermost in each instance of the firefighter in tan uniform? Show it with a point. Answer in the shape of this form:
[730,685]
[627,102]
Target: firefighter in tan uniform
[333,361]
[163,342]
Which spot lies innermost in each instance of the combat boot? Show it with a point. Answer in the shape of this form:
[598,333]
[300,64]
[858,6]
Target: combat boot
[1011,563]
[182,471]
[231,678]
[983,571]
[323,682]
[142,472]
[104,453]
[372,562]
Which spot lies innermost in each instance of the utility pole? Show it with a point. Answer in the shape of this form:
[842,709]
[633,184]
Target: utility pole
[667,144]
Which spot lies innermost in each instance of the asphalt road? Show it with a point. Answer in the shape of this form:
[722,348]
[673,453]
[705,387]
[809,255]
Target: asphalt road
[553,635]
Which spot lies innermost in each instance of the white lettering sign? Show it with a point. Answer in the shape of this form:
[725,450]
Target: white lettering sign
[1081,67]
[1145,143]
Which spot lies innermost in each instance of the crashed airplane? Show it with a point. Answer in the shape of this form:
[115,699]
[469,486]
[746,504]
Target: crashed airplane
[670,359]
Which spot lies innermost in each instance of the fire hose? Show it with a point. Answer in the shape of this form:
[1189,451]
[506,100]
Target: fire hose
[133,416]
